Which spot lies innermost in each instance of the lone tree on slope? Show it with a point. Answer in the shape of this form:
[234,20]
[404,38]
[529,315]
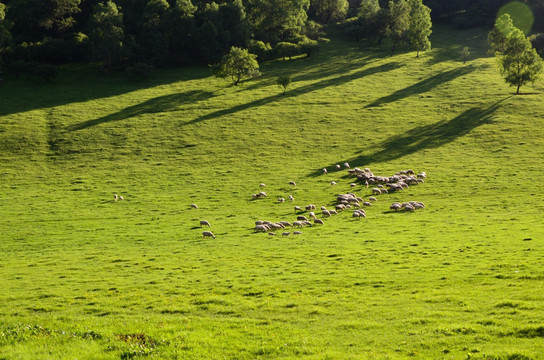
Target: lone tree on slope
[519,63]
[237,64]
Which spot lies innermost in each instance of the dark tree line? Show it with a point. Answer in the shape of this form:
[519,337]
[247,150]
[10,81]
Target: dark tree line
[40,34]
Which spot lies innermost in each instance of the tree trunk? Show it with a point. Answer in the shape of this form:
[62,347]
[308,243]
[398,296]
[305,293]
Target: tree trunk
[417,54]
[517,92]
[393,51]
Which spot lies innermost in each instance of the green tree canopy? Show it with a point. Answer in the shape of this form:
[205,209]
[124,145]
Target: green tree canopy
[277,20]
[519,62]
[420,26]
[398,23]
[237,64]
[107,33]
[329,10]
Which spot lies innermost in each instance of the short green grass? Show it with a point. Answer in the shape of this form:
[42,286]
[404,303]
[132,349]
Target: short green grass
[85,277]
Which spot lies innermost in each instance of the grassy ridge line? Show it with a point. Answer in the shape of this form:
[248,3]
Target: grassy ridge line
[391,286]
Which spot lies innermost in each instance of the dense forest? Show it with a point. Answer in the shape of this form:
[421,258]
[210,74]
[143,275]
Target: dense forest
[37,35]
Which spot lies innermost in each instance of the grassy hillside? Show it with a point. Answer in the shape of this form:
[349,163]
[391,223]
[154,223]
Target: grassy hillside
[84,276]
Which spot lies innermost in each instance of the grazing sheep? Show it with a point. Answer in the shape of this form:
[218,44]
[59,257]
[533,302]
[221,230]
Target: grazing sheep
[307,223]
[333,183]
[333,212]
[262,194]
[372,198]
[338,167]
[115,197]
[262,227]
[204,222]
[286,223]
[121,198]
[262,185]
[292,183]
[340,207]
[297,232]
[422,175]
[281,200]
[319,221]
[271,234]
[259,222]
[298,224]
[346,165]
[395,206]
[311,214]
[325,171]
[376,191]
[298,208]
[409,207]
[194,206]
[208,234]
[310,207]
[353,184]
[326,213]
[285,233]
[302,218]
[291,198]
[366,203]
[357,214]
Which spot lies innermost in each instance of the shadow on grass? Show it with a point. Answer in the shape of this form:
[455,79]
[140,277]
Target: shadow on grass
[423,85]
[424,137]
[81,84]
[156,105]
[298,91]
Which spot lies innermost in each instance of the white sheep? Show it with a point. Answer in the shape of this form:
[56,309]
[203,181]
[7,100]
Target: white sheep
[353,184]
[208,234]
[121,198]
[204,222]
[115,197]
[333,183]
[194,206]
[346,165]
[372,198]
[262,185]
[311,214]
[297,232]
[333,212]
[325,171]
[298,208]
[285,233]
[302,218]
[298,224]
[326,213]
[292,183]
[291,198]
[395,206]
[319,221]
[338,167]
[281,200]
[376,191]
[262,227]
[271,234]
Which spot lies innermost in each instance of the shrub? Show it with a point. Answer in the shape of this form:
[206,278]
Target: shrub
[262,50]
[286,49]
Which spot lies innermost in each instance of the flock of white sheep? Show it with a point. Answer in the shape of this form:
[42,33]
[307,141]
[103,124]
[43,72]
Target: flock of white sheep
[376,184]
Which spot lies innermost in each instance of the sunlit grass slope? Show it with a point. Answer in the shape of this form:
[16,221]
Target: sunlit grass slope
[85,277]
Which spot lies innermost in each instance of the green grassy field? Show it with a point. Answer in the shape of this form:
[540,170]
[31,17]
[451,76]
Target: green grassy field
[85,277]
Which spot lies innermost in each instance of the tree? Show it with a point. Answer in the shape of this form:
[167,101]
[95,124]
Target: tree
[5,35]
[284,81]
[519,63]
[420,26]
[107,33]
[277,20]
[496,38]
[237,64]
[329,10]
[398,23]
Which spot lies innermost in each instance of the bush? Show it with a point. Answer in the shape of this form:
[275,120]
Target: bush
[309,47]
[538,43]
[286,49]
[262,50]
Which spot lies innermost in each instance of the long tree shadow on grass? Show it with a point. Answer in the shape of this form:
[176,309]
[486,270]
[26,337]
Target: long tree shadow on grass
[155,105]
[299,91]
[423,85]
[424,137]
